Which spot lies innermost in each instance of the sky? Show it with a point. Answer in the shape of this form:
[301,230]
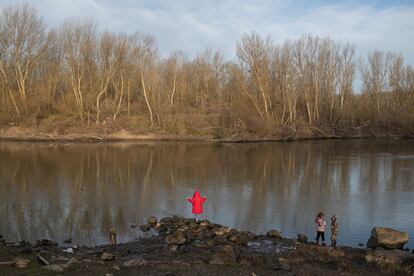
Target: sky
[194,25]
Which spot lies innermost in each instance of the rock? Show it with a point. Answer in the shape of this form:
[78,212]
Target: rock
[173,247]
[145,227]
[387,238]
[220,239]
[46,243]
[200,236]
[67,241]
[387,257]
[244,237]
[189,235]
[94,252]
[189,220]
[176,238]
[178,220]
[42,260]
[232,237]
[87,260]
[133,226]
[166,220]
[225,255]
[157,226]
[283,267]
[200,244]
[115,267]
[20,262]
[205,223]
[211,243]
[152,221]
[273,234]
[61,258]
[193,225]
[302,238]
[54,267]
[26,249]
[222,231]
[209,234]
[108,256]
[135,262]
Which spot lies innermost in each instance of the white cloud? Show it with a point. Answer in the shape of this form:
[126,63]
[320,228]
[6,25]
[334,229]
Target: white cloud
[194,25]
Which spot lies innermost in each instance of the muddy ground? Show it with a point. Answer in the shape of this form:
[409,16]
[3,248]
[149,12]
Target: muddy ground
[179,246]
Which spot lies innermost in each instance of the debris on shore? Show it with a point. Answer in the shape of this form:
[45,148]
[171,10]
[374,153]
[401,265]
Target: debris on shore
[181,246]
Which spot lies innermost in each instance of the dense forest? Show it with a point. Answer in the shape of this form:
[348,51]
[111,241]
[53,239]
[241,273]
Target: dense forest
[76,77]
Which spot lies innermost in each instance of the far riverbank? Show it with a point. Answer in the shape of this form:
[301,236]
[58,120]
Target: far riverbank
[17,133]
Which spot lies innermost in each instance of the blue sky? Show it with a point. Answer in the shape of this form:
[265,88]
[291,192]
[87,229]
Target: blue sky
[193,25]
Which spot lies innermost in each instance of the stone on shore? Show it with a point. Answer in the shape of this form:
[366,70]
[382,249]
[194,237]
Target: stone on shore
[21,262]
[274,234]
[387,238]
[152,221]
[176,238]
[68,240]
[108,256]
[45,243]
[387,257]
[225,255]
[222,231]
[145,227]
[302,238]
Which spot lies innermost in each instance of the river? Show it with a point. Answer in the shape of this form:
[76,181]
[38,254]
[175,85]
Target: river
[80,190]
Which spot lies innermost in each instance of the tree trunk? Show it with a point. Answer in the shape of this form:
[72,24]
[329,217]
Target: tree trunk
[147,100]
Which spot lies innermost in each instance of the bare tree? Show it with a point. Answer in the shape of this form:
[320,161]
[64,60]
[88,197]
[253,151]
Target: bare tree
[22,43]
[78,39]
[254,53]
[144,54]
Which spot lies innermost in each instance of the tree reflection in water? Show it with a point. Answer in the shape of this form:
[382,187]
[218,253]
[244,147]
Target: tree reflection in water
[80,190]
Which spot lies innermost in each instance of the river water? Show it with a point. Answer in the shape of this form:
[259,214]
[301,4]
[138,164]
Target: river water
[79,191]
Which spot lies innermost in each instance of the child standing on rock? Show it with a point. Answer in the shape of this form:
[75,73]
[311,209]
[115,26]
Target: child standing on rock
[197,201]
[320,228]
[334,230]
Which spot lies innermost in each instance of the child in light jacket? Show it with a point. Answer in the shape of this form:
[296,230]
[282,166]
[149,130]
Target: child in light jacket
[320,227]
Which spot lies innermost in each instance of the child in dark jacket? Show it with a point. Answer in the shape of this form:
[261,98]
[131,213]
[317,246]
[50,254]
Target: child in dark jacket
[197,201]
[334,230]
[320,228]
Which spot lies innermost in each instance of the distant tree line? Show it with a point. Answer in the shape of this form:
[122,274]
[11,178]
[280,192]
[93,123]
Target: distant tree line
[74,74]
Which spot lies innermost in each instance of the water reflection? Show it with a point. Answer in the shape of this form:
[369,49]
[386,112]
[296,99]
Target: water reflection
[61,190]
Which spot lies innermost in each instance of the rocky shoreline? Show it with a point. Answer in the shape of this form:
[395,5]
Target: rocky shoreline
[180,246]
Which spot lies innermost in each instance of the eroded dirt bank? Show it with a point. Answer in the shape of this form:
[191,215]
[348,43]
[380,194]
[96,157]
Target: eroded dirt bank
[101,134]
